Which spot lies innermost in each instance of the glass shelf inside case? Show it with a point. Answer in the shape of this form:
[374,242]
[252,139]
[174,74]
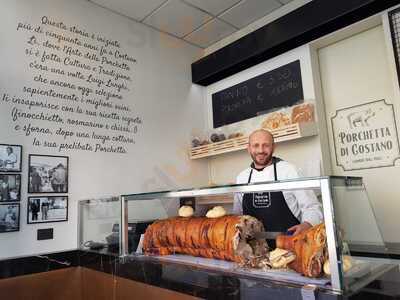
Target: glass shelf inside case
[343,200]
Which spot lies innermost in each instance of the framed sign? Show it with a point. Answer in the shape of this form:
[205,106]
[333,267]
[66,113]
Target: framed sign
[365,136]
[10,187]
[10,158]
[49,209]
[47,174]
[264,93]
[9,217]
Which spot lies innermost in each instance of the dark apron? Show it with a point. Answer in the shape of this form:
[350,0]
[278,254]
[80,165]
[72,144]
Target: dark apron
[270,208]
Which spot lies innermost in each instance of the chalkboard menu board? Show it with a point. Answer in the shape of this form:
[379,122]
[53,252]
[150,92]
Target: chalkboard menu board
[277,88]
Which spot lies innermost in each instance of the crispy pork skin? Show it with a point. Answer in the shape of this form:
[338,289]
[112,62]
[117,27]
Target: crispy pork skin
[228,238]
[309,248]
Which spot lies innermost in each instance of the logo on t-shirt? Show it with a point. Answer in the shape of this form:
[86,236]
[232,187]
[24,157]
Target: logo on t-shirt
[262,200]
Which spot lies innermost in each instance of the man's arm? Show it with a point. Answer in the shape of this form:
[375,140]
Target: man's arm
[310,208]
[238,197]
[237,204]
[304,204]
[310,211]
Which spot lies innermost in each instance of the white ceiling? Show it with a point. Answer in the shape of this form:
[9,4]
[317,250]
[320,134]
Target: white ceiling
[199,22]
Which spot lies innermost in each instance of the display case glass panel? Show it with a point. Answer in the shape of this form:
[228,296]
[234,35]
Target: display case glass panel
[99,223]
[358,231]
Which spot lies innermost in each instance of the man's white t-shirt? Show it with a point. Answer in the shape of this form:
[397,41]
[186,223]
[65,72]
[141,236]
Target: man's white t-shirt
[303,203]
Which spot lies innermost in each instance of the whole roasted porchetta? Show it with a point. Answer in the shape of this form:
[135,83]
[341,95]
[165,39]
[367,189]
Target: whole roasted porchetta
[228,238]
[309,248]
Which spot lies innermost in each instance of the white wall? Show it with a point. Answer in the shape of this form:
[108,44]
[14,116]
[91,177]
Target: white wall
[355,71]
[304,153]
[160,93]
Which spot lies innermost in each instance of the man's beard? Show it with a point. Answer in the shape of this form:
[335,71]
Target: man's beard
[263,162]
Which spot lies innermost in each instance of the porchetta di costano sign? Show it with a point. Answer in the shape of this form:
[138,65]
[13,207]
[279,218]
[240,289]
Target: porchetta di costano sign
[365,136]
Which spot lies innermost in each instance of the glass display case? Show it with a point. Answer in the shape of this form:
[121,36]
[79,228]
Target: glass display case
[98,224]
[349,220]
[348,216]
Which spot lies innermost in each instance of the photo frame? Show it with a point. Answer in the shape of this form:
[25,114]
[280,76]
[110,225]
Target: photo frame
[9,217]
[47,209]
[48,174]
[10,158]
[10,187]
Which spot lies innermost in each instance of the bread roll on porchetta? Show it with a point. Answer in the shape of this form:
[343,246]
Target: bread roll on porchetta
[228,238]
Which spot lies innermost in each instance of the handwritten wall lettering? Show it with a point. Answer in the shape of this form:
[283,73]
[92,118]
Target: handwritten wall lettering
[73,98]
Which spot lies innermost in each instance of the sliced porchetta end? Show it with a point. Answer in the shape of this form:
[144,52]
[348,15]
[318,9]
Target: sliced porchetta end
[252,252]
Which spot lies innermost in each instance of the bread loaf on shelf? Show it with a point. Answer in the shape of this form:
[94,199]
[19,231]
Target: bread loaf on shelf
[228,238]
[303,113]
[275,120]
[309,248]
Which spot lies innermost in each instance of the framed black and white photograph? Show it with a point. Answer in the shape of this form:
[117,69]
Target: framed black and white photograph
[10,187]
[48,174]
[9,217]
[47,209]
[10,158]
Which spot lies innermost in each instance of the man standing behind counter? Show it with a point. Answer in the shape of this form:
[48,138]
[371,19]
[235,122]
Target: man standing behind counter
[293,211]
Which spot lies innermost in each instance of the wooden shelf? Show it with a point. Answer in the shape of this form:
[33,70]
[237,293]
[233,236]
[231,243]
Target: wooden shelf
[217,200]
[287,133]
